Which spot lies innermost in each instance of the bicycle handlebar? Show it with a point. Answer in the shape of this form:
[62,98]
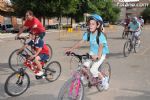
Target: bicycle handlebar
[79,56]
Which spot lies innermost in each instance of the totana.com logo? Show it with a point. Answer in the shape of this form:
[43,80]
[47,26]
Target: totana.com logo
[127,0]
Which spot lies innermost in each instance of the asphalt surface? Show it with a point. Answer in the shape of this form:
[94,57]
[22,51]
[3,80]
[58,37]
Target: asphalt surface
[130,75]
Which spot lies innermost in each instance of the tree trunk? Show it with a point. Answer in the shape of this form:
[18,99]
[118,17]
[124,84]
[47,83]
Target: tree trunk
[71,21]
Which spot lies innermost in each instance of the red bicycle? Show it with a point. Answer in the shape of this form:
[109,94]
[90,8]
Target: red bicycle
[18,82]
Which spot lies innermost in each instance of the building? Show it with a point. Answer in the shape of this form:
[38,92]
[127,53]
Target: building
[5,12]
[131,7]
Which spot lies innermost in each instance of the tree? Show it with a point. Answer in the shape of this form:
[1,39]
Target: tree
[146,14]
[69,8]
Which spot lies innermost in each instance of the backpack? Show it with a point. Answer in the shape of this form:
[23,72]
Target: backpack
[97,37]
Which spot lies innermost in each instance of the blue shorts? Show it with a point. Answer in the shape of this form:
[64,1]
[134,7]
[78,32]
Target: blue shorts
[43,57]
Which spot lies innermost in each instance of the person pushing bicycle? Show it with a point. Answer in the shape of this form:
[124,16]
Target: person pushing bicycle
[98,47]
[41,51]
[33,24]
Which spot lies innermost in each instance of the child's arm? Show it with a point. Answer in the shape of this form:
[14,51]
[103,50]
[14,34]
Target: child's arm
[37,52]
[75,46]
[22,48]
[100,49]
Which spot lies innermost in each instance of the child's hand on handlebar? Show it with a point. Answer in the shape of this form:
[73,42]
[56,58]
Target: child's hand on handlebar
[94,58]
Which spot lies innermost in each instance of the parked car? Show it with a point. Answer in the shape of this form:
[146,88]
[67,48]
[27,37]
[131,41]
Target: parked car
[9,28]
[106,23]
[51,27]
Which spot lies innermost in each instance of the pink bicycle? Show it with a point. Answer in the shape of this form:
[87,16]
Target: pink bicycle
[73,88]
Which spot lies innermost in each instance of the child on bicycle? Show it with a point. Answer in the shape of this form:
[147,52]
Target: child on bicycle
[98,47]
[41,51]
[135,26]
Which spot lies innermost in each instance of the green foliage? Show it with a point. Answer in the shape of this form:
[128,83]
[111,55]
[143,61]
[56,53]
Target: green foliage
[146,14]
[69,8]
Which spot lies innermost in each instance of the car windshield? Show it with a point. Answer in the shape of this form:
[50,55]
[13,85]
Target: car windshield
[9,26]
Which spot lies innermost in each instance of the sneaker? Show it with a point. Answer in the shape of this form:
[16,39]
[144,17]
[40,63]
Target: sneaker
[105,83]
[40,73]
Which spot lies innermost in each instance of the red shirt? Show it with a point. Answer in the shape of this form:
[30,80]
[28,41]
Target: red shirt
[45,50]
[30,23]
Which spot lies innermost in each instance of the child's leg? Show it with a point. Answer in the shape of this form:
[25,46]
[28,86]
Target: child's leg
[86,65]
[95,66]
[38,63]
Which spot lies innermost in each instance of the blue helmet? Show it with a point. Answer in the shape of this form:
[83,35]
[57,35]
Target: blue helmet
[97,18]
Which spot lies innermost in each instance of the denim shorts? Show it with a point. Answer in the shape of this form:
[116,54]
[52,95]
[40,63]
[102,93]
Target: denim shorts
[43,57]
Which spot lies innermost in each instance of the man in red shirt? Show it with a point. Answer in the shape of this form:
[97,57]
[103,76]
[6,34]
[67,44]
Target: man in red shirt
[33,24]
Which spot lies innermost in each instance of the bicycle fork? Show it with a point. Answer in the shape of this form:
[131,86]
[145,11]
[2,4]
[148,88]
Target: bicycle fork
[20,76]
[75,84]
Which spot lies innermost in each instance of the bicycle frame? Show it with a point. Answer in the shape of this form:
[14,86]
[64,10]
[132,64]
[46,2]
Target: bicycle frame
[77,75]
[73,83]
[31,65]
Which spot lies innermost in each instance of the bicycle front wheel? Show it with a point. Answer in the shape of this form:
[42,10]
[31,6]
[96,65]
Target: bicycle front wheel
[74,62]
[123,35]
[136,46]
[72,89]
[53,71]
[17,83]
[16,60]
[50,52]
[105,70]
[127,49]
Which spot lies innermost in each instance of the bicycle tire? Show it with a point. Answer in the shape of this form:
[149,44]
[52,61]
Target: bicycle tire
[123,35]
[105,69]
[50,52]
[15,65]
[136,46]
[52,68]
[11,93]
[127,46]
[74,62]
[65,91]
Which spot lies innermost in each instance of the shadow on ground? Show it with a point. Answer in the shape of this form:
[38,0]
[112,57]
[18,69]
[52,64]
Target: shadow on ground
[140,95]
[115,55]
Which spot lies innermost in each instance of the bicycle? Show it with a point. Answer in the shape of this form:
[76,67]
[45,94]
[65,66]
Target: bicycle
[16,61]
[130,44]
[126,34]
[18,82]
[73,88]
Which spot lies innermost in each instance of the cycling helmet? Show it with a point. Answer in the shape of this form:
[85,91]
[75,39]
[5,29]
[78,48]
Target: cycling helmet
[141,17]
[135,19]
[97,18]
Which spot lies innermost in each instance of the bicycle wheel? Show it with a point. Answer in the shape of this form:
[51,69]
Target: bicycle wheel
[50,52]
[127,48]
[105,70]
[53,71]
[69,90]
[16,61]
[16,84]
[123,35]
[136,46]
[74,62]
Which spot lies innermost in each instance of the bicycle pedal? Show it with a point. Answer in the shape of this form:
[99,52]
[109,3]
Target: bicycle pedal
[38,77]
[89,85]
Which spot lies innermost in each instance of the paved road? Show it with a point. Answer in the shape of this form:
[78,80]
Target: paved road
[130,76]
